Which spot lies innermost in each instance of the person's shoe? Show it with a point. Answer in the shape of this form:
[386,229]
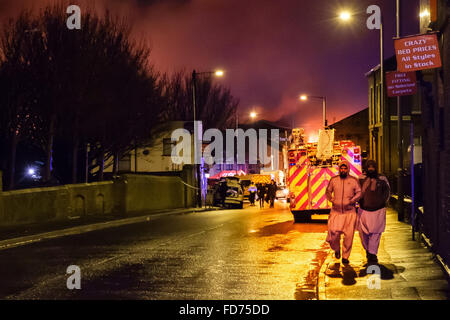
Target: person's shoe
[337,254]
[372,258]
[345,261]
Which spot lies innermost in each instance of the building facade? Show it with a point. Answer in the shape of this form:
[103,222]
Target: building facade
[354,128]
[154,157]
[383,140]
[259,167]
[435,101]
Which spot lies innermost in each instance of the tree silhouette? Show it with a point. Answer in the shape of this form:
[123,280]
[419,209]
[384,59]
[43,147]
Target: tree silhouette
[215,106]
[63,89]
[72,87]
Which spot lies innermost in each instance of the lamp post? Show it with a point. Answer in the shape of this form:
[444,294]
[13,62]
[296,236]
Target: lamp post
[305,97]
[400,136]
[195,75]
[346,16]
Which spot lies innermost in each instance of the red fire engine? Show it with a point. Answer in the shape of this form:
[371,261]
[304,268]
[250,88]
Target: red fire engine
[311,166]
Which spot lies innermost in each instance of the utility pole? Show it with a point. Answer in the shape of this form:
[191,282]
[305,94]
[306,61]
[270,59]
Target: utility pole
[413,204]
[196,165]
[400,138]
[198,131]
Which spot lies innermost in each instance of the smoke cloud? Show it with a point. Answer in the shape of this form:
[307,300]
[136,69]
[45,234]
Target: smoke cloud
[272,51]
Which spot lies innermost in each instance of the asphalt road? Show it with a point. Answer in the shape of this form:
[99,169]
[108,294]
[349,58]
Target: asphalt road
[230,254]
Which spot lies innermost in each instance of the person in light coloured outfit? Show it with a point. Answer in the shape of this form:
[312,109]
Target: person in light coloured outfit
[343,192]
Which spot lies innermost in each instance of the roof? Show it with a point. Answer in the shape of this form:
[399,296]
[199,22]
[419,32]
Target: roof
[390,64]
[354,115]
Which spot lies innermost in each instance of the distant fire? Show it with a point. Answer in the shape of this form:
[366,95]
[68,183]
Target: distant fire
[313,137]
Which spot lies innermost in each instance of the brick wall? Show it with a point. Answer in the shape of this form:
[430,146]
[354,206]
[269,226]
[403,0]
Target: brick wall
[444,248]
[435,87]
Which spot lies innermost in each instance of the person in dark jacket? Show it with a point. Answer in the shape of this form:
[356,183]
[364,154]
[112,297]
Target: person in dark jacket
[223,188]
[371,223]
[261,194]
[272,193]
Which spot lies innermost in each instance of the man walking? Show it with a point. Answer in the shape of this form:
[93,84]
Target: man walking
[375,191]
[343,192]
[261,194]
[272,193]
[252,193]
[223,192]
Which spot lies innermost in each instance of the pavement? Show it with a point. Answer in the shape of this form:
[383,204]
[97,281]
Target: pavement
[408,270]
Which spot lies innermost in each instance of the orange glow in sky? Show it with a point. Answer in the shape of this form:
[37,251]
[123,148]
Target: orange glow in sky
[313,137]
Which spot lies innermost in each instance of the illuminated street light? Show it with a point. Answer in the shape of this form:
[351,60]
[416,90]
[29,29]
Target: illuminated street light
[195,75]
[305,97]
[424,13]
[219,73]
[345,16]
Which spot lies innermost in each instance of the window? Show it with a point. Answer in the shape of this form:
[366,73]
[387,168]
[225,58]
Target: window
[380,111]
[375,105]
[372,105]
[168,144]
[125,163]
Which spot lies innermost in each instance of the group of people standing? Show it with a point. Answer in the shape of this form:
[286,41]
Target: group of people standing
[371,190]
[265,192]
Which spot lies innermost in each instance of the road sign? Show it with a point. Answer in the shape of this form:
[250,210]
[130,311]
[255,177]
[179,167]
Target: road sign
[417,53]
[401,83]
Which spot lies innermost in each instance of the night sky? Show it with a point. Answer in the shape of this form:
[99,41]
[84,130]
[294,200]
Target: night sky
[272,51]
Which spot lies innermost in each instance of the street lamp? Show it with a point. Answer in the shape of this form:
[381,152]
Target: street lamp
[195,75]
[424,14]
[345,15]
[305,97]
[219,73]
[399,111]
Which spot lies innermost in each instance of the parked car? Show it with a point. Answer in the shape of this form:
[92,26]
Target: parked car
[245,183]
[235,193]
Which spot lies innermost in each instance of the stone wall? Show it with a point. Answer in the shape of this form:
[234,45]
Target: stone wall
[128,194]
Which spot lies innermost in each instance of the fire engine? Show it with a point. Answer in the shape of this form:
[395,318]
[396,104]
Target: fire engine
[311,166]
